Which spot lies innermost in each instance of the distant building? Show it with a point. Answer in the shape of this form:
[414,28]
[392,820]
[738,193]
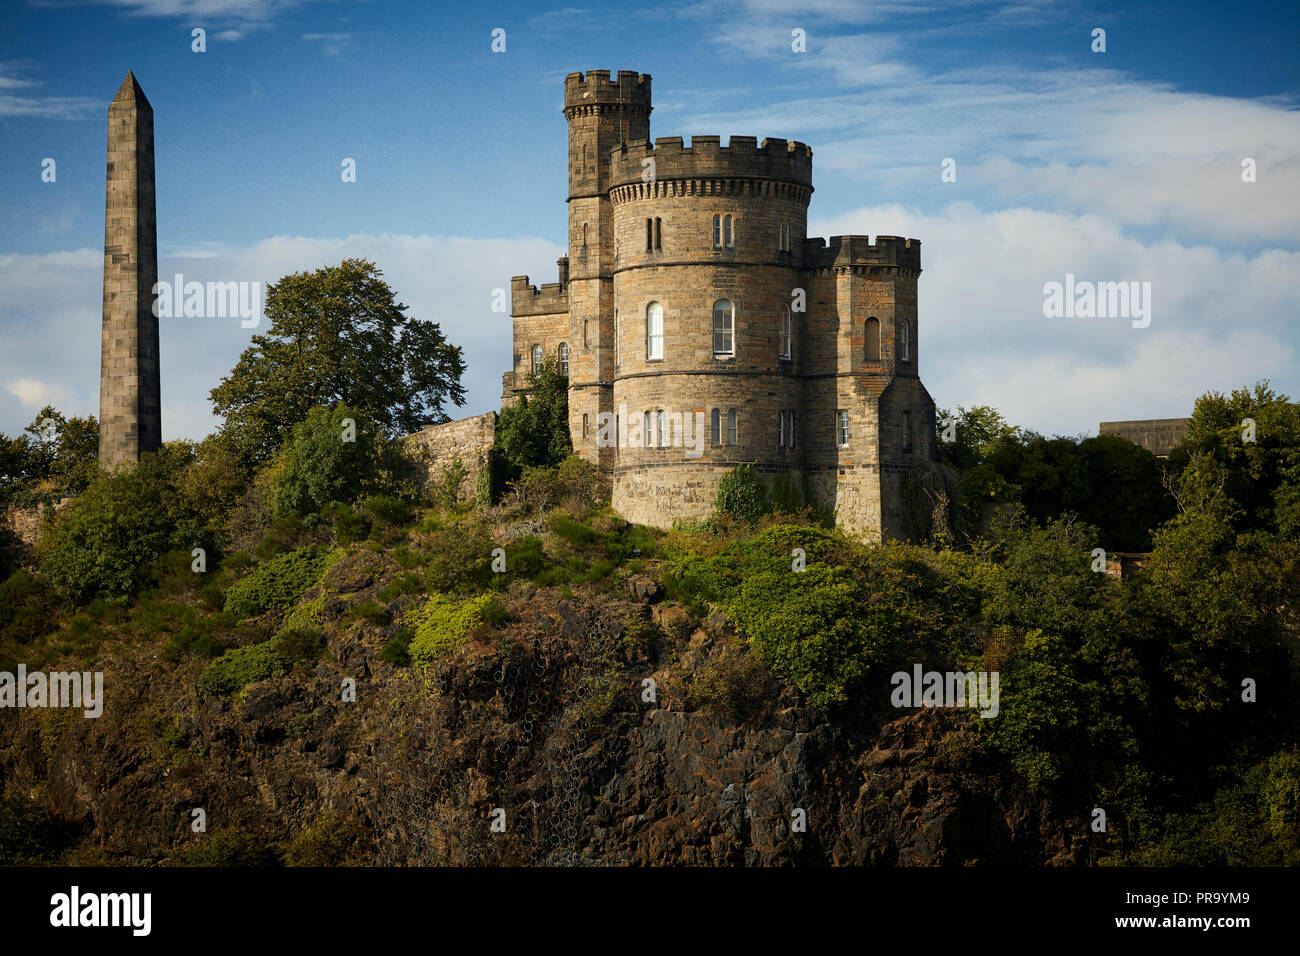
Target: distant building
[1156,435]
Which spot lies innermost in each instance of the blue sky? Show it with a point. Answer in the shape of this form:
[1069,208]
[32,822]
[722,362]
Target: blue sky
[1115,166]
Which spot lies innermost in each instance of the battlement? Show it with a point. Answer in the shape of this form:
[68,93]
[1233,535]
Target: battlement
[595,87]
[842,251]
[706,157]
[527,299]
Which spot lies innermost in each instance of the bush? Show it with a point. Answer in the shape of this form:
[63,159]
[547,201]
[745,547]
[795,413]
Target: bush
[398,649]
[279,582]
[391,511]
[28,835]
[300,644]
[237,668]
[106,542]
[733,684]
[230,846]
[321,466]
[741,494]
[442,624]
[350,526]
[25,611]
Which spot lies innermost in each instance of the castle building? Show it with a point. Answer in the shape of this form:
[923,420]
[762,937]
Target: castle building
[700,328]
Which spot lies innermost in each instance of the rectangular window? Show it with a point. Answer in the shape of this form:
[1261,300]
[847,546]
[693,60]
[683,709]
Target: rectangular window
[715,427]
[584,424]
[731,427]
[842,427]
[791,430]
[780,435]
[654,331]
[717,232]
[647,437]
[659,234]
[726,227]
[724,342]
[662,422]
[787,330]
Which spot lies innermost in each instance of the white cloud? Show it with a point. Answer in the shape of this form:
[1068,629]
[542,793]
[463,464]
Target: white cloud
[43,107]
[33,393]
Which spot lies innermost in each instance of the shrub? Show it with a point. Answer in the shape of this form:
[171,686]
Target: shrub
[106,542]
[279,582]
[462,559]
[733,684]
[230,846]
[25,611]
[28,835]
[398,649]
[442,624]
[389,510]
[237,668]
[321,466]
[300,644]
[741,494]
[350,526]
[326,842]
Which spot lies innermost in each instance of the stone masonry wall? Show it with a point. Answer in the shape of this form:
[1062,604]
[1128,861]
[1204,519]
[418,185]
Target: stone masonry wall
[438,446]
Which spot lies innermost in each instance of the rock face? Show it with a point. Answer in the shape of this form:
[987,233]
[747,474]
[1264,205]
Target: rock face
[584,720]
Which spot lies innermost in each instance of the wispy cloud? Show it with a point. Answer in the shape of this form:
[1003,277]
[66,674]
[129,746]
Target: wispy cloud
[28,104]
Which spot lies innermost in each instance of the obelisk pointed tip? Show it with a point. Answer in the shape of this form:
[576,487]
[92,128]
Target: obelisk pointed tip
[130,92]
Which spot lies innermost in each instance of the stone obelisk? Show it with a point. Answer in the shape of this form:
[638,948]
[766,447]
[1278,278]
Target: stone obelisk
[130,399]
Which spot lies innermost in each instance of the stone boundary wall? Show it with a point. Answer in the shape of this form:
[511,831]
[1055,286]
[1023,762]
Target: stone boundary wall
[436,447]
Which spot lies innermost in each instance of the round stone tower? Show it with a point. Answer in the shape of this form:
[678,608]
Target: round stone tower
[707,309]
[602,113]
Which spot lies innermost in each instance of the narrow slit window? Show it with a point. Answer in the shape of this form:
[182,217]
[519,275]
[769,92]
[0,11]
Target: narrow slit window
[715,427]
[731,426]
[842,427]
[787,331]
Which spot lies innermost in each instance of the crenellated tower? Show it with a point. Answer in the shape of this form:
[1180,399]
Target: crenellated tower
[602,113]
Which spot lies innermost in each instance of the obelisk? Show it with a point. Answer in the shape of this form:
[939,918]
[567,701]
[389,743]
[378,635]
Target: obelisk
[130,399]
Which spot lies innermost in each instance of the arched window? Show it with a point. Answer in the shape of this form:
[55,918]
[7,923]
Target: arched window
[726,232]
[872,340]
[715,427]
[661,422]
[537,358]
[646,435]
[564,358]
[654,331]
[787,330]
[649,235]
[904,350]
[584,235]
[731,426]
[724,328]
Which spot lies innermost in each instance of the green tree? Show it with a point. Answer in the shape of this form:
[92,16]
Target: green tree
[55,457]
[534,432]
[105,542]
[1251,481]
[327,460]
[337,336]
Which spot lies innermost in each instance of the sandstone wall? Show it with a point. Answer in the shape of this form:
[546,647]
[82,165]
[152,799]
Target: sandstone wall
[438,446]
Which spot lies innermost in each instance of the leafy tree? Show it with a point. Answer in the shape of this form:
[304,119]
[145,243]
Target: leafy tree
[535,431]
[1250,484]
[105,542]
[337,336]
[55,457]
[327,460]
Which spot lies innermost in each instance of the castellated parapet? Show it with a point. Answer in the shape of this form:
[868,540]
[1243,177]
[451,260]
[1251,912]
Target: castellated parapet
[691,295]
